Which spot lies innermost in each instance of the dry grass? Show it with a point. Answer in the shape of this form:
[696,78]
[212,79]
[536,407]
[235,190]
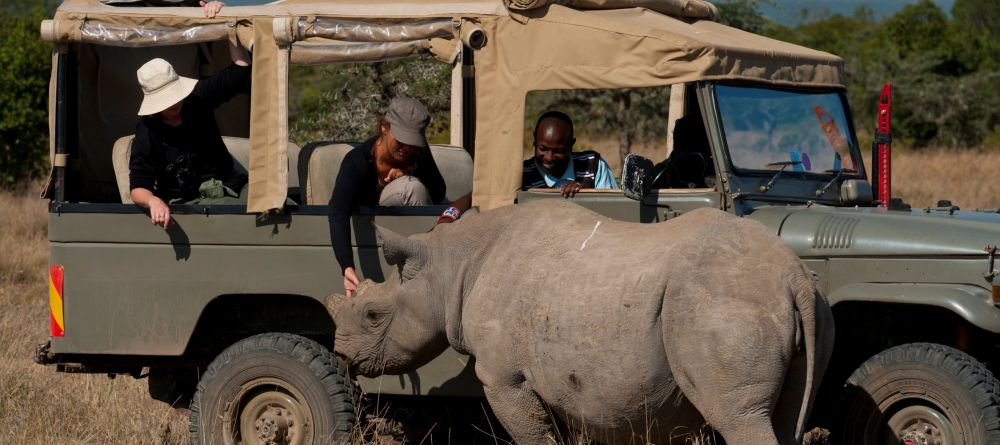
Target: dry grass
[40,406]
[969,178]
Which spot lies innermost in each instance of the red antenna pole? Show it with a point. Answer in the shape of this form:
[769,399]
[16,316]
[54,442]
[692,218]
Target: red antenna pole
[883,148]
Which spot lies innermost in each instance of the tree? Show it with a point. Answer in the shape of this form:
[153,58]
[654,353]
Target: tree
[25,75]
[344,101]
[919,30]
[744,14]
[977,33]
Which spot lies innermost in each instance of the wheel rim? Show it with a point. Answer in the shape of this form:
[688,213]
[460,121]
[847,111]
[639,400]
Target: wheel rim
[268,411]
[920,425]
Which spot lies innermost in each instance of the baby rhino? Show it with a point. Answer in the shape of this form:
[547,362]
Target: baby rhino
[629,331]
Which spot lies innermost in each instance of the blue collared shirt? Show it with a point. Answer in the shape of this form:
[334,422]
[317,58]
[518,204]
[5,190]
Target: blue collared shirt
[603,179]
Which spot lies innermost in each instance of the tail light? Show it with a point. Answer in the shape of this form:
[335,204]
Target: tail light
[56,325]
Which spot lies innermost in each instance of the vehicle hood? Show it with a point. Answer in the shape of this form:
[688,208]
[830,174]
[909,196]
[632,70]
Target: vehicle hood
[824,231]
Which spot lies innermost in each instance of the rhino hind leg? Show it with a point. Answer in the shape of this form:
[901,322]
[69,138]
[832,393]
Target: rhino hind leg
[733,376]
[521,412]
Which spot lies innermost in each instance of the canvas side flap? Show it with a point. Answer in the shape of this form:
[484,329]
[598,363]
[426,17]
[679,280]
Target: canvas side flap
[268,169]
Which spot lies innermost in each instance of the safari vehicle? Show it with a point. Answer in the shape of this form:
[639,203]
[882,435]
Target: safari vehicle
[224,313]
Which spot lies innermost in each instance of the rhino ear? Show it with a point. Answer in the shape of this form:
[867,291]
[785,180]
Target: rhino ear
[409,254]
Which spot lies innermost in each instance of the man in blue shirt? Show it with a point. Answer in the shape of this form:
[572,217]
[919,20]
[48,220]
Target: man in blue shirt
[555,165]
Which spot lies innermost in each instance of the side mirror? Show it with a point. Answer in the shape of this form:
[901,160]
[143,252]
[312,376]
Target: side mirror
[637,173]
[856,192]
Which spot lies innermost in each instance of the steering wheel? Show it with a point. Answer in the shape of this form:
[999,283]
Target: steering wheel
[686,170]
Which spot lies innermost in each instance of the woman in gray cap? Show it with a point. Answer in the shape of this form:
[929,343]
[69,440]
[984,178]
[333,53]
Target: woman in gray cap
[393,168]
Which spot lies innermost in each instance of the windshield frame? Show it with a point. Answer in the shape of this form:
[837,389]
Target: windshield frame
[731,167]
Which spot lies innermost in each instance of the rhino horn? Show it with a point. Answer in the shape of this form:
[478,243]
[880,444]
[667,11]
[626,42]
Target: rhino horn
[334,303]
[400,250]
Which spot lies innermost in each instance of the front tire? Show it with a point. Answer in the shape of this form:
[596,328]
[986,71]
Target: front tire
[921,393]
[273,388]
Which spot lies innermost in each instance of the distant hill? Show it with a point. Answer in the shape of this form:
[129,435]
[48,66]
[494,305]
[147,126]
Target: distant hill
[789,12]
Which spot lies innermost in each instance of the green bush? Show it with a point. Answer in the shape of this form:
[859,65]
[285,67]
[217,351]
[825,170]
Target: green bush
[24,83]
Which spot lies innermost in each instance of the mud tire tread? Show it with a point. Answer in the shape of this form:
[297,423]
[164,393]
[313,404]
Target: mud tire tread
[967,375]
[341,390]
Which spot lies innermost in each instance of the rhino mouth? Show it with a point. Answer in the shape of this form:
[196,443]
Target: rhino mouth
[346,363]
[352,364]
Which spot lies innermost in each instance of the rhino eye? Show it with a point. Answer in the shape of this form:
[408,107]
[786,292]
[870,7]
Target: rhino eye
[371,316]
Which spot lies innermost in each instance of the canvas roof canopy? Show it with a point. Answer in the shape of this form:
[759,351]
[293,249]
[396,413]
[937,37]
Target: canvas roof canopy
[530,45]
[563,48]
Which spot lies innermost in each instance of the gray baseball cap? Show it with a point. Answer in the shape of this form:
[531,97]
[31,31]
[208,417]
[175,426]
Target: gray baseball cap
[408,119]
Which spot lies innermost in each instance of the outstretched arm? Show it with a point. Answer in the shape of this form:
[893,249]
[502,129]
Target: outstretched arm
[238,54]
[159,212]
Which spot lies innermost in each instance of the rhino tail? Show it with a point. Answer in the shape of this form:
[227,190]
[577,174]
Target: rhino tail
[806,303]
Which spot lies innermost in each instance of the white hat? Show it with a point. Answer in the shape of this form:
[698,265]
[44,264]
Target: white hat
[161,86]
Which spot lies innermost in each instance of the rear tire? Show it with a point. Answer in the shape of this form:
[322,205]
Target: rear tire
[274,387]
[921,393]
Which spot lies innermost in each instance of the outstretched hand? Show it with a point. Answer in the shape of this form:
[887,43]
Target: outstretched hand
[570,188]
[212,9]
[351,282]
[159,212]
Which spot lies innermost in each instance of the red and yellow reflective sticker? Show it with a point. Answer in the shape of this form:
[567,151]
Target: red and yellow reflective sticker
[56,325]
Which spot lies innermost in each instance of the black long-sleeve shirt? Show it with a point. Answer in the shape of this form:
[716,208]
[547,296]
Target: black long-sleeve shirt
[357,184]
[173,161]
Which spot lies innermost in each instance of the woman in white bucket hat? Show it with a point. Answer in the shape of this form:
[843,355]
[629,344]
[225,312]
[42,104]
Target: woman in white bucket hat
[177,144]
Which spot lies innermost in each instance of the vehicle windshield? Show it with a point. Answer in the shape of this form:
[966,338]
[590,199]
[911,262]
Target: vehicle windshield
[804,132]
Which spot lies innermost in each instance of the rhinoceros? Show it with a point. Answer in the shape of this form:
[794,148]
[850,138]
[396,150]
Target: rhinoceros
[618,328]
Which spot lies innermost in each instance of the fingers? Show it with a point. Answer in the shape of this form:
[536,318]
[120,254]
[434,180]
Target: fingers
[212,8]
[570,188]
[350,287]
[393,175]
[350,281]
[159,213]
[160,216]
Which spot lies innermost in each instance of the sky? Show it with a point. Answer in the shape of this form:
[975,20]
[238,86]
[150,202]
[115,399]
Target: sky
[789,11]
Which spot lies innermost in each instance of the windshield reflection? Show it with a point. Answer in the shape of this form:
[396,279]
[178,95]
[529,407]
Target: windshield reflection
[805,131]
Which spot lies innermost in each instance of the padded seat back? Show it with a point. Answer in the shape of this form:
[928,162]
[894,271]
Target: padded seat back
[239,149]
[319,165]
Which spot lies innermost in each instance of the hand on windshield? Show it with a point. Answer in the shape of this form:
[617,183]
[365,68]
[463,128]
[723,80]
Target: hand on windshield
[212,9]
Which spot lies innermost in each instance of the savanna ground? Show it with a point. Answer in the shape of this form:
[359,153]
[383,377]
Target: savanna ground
[40,406]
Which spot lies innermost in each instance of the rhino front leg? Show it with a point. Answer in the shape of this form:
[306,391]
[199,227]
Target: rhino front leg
[521,412]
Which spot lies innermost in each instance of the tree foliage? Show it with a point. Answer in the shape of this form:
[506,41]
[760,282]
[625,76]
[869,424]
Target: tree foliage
[345,101]
[25,74]
[945,89]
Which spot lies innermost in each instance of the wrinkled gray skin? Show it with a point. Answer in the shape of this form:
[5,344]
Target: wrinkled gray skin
[617,328]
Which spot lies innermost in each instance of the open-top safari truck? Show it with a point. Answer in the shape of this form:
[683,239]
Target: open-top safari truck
[225,308]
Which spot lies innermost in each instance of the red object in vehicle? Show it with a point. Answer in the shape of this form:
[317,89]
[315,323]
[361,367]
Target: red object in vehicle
[882,174]
[834,136]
